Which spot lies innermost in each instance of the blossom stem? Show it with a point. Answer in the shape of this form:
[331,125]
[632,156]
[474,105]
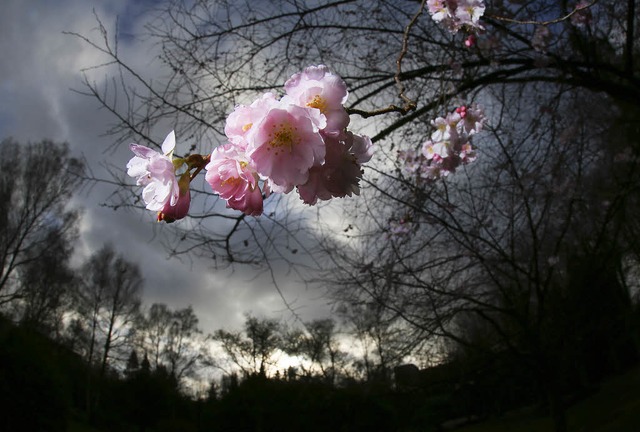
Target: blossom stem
[203,161]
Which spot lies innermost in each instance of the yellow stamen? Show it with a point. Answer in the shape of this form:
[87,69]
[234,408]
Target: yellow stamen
[233,181]
[319,103]
[283,136]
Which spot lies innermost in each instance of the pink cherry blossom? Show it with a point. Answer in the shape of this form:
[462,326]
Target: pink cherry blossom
[411,161]
[233,177]
[473,119]
[437,150]
[286,143]
[361,147]
[467,153]
[299,141]
[470,41]
[445,127]
[156,172]
[433,171]
[354,151]
[449,146]
[401,227]
[315,188]
[439,10]
[341,172]
[457,14]
[541,39]
[582,16]
[242,119]
[468,12]
[317,87]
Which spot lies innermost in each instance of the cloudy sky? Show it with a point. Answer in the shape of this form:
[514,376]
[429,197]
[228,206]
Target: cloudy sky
[39,66]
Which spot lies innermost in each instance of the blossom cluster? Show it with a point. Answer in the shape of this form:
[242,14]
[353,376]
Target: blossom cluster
[449,146]
[274,145]
[457,14]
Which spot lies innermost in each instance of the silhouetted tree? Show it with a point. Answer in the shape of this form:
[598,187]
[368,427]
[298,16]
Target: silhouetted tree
[37,181]
[185,350]
[46,287]
[147,395]
[317,343]
[252,350]
[172,340]
[493,257]
[133,365]
[154,331]
[107,301]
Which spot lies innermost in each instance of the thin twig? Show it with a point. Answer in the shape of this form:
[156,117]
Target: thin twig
[409,104]
[544,23]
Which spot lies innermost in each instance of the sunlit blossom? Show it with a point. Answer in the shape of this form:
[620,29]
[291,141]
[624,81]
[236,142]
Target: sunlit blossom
[275,145]
[156,172]
[437,150]
[242,119]
[317,87]
[231,174]
[286,143]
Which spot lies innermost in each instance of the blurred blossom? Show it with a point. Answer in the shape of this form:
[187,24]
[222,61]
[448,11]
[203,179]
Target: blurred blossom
[401,227]
[470,41]
[541,39]
[582,16]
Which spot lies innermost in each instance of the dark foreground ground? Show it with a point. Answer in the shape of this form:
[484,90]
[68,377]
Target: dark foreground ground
[615,407]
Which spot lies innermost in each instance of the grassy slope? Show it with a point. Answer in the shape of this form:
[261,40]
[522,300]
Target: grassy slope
[614,408]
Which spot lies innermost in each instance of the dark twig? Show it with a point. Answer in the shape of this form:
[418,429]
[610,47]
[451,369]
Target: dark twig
[409,104]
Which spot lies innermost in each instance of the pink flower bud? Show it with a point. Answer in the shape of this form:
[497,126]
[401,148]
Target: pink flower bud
[470,41]
[171,213]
